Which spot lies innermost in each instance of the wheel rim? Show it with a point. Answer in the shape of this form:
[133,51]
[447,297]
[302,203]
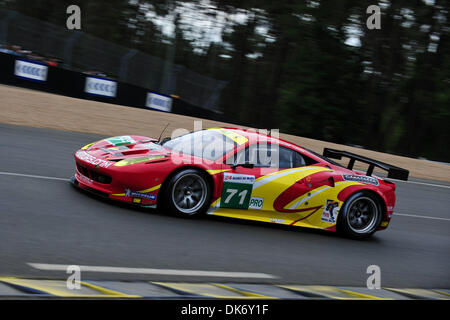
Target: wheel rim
[189,193]
[362,215]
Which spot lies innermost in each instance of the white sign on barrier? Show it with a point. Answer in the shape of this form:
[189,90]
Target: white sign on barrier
[159,102]
[30,70]
[100,87]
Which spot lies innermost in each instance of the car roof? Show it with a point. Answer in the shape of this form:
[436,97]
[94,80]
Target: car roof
[255,135]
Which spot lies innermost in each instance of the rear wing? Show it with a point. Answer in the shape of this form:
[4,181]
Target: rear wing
[393,171]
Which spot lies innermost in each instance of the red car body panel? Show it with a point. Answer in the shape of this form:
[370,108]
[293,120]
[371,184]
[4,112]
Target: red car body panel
[101,167]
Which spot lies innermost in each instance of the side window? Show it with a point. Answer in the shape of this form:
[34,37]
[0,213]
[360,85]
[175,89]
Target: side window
[267,156]
[240,157]
[300,160]
[286,158]
[254,154]
[290,158]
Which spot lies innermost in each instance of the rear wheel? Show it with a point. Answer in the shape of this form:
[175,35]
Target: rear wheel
[188,193]
[360,215]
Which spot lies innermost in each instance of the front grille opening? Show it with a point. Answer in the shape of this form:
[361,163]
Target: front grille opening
[100,177]
[91,174]
[84,171]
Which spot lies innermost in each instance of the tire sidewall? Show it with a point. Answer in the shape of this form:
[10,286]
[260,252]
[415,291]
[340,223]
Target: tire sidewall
[167,201]
[342,225]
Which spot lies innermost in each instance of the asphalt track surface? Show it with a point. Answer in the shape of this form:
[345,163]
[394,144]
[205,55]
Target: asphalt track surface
[48,221]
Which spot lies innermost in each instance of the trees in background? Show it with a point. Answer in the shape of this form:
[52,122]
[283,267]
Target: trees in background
[310,68]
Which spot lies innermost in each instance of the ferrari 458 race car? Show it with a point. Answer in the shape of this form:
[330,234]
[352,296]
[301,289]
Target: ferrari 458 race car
[240,174]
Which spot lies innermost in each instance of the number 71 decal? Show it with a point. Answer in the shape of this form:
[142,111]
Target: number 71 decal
[236,191]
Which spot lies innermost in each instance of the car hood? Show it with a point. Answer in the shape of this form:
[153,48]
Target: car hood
[125,148]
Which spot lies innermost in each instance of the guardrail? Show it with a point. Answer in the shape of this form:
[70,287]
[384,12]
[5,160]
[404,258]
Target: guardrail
[22,72]
[80,51]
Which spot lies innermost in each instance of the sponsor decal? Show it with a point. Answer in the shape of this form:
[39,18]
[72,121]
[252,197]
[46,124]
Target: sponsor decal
[236,191]
[159,102]
[31,71]
[117,141]
[360,178]
[238,178]
[134,194]
[83,155]
[330,211]
[85,179]
[390,211]
[256,203]
[100,87]
[276,220]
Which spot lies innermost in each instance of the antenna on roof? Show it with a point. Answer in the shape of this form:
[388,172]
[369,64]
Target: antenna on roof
[159,139]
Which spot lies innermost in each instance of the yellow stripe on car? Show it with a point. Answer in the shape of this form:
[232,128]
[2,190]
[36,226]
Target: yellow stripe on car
[87,146]
[126,162]
[212,172]
[320,194]
[269,187]
[238,138]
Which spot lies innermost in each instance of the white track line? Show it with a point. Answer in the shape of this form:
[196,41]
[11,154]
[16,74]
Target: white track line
[416,216]
[64,179]
[171,272]
[422,183]
[32,176]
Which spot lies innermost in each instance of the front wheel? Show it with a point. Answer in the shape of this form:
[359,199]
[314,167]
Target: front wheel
[360,215]
[188,193]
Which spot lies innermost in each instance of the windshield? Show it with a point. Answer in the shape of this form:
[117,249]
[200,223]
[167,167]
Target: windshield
[207,144]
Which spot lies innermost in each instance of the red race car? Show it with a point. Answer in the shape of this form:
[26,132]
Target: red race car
[241,174]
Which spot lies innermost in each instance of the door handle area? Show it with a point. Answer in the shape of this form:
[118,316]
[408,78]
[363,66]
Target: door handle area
[331,182]
[303,182]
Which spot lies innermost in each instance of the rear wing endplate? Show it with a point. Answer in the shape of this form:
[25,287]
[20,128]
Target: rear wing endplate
[393,171]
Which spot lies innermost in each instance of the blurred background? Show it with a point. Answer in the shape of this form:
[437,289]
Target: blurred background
[309,68]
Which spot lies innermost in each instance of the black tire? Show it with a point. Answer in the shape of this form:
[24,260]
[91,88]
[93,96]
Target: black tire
[360,216]
[187,194]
